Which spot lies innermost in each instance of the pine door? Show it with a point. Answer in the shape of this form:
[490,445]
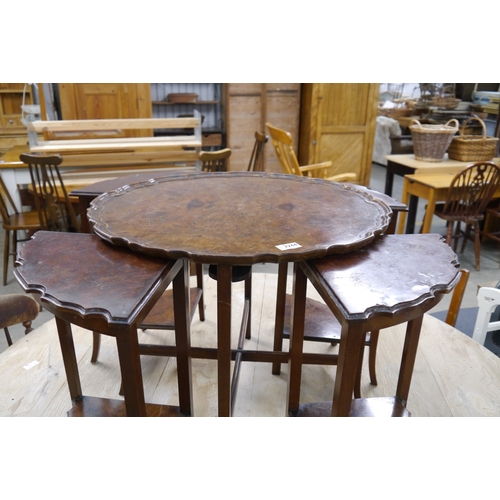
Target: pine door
[91,101]
[338,124]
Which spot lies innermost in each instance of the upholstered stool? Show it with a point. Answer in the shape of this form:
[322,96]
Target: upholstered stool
[15,309]
[394,280]
[85,281]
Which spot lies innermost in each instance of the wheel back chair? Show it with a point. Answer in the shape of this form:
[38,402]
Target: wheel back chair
[470,192]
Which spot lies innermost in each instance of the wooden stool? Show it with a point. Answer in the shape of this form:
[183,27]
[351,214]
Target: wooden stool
[394,280]
[85,281]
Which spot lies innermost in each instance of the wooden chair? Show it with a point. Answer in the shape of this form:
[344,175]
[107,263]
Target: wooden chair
[17,308]
[14,221]
[214,161]
[55,208]
[488,299]
[257,158]
[467,199]
[283,145]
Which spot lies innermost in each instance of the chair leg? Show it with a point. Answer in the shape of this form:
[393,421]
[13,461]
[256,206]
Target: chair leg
[449,231]
[466,237]
[96,345]
[14,248]
[477,245]
[6,247]
[27,326]
[7,336]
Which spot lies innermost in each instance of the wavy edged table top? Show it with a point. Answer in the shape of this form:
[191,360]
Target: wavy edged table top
[239,217]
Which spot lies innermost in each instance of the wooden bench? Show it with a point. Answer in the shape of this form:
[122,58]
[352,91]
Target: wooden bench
[120,142]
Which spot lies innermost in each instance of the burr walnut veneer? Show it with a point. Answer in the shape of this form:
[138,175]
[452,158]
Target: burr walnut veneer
[85,281]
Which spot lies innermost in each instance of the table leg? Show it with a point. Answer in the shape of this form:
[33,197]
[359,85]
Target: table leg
[412,214]
[130,366]
[280,313]
[83,205]
[429,212]
[389,179]
[183,338]
[224,339]
[352,340]
[408,359]
[69,358]
[248,300]
[404,199]
[296,340]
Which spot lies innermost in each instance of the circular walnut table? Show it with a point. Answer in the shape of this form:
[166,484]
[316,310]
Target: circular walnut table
[234,219]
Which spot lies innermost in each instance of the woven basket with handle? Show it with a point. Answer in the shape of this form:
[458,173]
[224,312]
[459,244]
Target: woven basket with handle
[430,142]
[472,147]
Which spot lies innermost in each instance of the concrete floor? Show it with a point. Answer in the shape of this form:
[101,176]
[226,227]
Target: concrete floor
[489,273]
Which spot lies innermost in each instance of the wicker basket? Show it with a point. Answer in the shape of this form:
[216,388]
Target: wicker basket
[446,98]
[472,147]
[430,142]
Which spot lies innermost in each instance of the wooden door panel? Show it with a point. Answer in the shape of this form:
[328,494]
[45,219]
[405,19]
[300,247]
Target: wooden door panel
[344,150]
[339,125]
[94,101]
[344,104]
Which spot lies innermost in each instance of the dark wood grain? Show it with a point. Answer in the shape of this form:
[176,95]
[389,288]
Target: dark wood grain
[85,277]
[88,406]
[395,280]
[239,218]
[84,280]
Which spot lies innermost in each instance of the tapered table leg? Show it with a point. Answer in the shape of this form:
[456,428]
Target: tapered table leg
[351,342]
[224,339]
[131,372]
[408,359]
[296,340]
[183,339]
[69,358]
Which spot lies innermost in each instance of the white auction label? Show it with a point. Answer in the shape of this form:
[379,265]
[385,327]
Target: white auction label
[29,366]
[288,246]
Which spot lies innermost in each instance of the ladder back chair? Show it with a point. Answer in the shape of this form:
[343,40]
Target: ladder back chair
[470,192]
[214,161]
[257,158]
[55,207]
[283,145]
[12,222]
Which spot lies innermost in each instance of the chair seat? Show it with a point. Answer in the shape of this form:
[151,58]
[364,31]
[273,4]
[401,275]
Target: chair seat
[16,309]
[439,212]
[23,220]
